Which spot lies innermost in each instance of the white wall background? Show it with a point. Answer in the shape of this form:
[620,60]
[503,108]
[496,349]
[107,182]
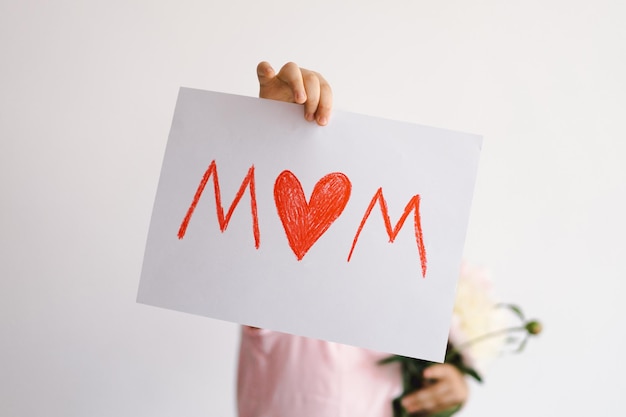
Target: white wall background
[87,92]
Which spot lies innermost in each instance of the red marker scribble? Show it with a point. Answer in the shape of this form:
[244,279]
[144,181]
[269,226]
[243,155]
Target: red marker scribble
[413,204]
[248,181]
[304,222]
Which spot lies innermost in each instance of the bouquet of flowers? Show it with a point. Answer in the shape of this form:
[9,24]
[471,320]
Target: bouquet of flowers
[480,331]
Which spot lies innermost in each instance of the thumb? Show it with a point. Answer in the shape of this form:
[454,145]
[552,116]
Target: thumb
[265,72]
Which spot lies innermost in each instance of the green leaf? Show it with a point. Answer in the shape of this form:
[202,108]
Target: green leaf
[515,309]
[398,410]
[390,359]
[522,345]
[471,372]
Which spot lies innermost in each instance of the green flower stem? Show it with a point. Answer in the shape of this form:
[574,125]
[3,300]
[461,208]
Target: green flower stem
[458,349]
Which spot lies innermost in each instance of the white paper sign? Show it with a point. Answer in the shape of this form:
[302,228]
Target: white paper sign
[351,233]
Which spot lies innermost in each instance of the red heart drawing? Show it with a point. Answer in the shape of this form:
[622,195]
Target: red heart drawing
[304,222]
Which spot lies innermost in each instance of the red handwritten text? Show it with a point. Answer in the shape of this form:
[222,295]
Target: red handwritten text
[248,181]
[413,204]
[305,222]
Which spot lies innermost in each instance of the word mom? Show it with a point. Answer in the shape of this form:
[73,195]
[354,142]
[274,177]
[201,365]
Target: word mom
[306,221]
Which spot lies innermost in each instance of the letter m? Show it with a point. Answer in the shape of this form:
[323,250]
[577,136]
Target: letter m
[222,219]
[413,204]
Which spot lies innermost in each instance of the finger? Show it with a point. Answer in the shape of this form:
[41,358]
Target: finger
[426,399]
[428,403]
[265,73]
[440,371]
[312,88]
[291,75]
[451,377]
[449,389]
[325,104]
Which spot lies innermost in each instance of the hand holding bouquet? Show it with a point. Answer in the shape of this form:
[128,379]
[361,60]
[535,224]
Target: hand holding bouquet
[479,332]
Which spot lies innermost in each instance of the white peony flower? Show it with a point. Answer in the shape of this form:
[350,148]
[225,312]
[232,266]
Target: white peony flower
[475,315]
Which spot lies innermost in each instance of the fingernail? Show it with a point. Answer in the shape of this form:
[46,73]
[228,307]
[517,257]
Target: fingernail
[323,121]
[300,97]
[309,117]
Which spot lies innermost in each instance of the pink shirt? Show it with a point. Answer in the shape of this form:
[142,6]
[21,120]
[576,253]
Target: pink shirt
[281,375]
